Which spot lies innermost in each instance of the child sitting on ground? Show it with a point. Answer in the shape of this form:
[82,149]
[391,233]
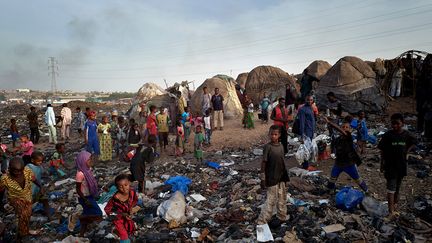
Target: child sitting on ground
[274,176]
[36,161]
[26,147]
[122,203]
[18,184]
[347,158]
[87,190]
[56,160]
[198,141]
[143,155]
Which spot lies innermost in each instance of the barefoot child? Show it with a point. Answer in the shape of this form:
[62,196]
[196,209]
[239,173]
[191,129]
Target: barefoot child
[90,134]
[18,184]
[36,161]
[274,176]
[163,123]
[198,141]
[122,203]
[142,156]
[346,156]
[395,145]
[105,142]
[179,148]
[87,190]
[56,160]
[207,126]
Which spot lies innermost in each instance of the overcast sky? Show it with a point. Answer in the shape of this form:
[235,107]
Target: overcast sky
[109,45]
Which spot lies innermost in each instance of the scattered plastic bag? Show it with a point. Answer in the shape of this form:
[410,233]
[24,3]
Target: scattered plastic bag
[173,209]
[312,148]
[348,198]
[302,154]
[374,208]
[179,183]
[213,165]
[263,233]
[73,239]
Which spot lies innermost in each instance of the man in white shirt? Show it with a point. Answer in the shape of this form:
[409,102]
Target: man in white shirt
[51,122]
[66,115]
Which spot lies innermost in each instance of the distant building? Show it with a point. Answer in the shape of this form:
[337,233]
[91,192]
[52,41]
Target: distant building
[23,90]
[16,100]
[66,99]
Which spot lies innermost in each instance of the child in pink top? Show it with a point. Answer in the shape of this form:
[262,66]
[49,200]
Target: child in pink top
[26,147]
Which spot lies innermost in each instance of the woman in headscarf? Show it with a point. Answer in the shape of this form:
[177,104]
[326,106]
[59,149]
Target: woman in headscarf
[87,190]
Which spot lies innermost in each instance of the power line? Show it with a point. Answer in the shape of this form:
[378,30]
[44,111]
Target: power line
[247,68]
[289,36]
[53,67]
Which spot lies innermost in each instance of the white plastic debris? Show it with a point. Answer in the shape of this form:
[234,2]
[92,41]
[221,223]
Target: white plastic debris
[263,233]
[65,181]
[198,197]
[257,152]
[173,208]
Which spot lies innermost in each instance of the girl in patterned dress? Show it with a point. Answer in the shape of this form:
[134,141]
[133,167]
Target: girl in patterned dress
[105,140]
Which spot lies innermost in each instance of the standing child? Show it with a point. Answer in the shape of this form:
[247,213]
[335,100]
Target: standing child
[134,135]
[152,123]
[274,176]
[142,156]
[114,128]
[198,141]
[346,156]
[187,124]
[163,122]
[249,118]
[265,103]
[90,133]
[122,203]
[207,126]
[395,145]
[36,161]
[80,120]
[14,132]
[26,147]
[362,131]
[179,149]
[87,190]
[105,142]
[18,184]
[121,135]
[56,160]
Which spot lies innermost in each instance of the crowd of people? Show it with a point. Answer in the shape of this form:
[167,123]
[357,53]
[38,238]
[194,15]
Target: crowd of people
[136,140]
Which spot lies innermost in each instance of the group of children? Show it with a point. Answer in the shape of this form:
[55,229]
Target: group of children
[395,144]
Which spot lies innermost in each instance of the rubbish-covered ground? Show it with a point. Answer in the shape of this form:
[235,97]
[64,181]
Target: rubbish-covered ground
[222,199]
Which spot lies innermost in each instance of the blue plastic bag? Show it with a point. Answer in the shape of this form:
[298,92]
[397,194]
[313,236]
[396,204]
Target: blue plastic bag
[213,165]
[179,183]
[348,198]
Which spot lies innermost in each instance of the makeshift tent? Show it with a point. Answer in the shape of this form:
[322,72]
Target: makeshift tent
[354,84]
[148,91]
[159,101]
[318,68]
[232,106]
[241,79]
[270,80]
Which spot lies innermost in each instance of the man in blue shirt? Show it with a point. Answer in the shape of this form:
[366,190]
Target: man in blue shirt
[306,122]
